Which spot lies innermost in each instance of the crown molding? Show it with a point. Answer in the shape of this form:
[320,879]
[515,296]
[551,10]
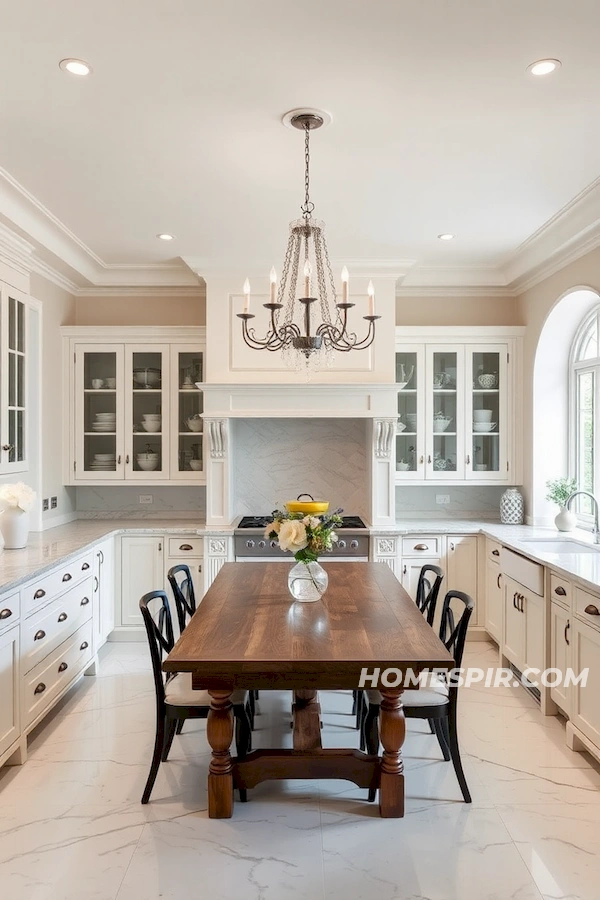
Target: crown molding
[160,291]
[40,267]
[15,251]
[479,277]
[456,292]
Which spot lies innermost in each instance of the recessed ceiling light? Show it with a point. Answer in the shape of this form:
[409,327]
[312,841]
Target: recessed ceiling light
[75,66]
[165,237]
[446,237]
[544,66]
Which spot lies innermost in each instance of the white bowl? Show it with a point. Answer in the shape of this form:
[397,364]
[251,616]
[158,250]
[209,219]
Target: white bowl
[152,417]
[147,465]
[487,381]
[482,415]
[146,377]
[484,426]
[194,424]
[403,466]
[441,424]
[151,426]
[196,464]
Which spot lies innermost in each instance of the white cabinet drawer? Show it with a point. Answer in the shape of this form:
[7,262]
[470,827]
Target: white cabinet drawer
[561,590]
[50,626]
[184,546]
[54,673]
[493,550]
[524,571]
[41,591]
[587,607]
[9,610]
[421,545]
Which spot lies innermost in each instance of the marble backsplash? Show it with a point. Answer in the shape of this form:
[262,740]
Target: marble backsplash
[466,502]
[274,460]
[124,502]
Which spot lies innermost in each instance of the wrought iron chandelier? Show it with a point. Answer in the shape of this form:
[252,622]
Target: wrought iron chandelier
[307,327]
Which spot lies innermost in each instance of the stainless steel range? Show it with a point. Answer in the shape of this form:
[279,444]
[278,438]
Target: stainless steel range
[250,543]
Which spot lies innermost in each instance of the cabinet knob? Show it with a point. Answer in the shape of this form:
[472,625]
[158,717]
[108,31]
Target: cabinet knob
[62,618]
[404,570]
[468,460]
[41,687]
[84,601]
[63,667]
[452,546]
[560,591]
[119,459]
[5,613]
[84,646]
[85,566]
[421,460]
[39,635]
[127,460]
[429,459]
[495,553]
[39,594]
[8,447]
[567,626]
[592,610]
[67,576]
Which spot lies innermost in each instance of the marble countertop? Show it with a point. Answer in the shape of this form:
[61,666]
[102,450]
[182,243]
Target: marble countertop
[46,549]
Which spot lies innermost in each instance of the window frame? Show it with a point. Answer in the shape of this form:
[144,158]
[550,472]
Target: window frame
[577,368]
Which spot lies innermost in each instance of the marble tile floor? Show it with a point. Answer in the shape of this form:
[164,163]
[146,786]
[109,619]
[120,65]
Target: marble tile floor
[72,826]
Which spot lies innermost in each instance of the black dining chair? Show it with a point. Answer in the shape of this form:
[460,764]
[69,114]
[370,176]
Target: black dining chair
[428,589]
[182,585]
[175,698]
[437,699]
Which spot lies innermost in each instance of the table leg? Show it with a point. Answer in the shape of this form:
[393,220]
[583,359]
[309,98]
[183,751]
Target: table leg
[392,731]
[219,732]
[307,720]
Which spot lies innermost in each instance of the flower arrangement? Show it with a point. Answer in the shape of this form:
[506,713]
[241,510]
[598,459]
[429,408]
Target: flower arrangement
[18,495]
[560,490]
[304,536]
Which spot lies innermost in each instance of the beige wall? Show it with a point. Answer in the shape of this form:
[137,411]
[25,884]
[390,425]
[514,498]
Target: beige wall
[534,306]
[140,310]
[58,308]
[457,311]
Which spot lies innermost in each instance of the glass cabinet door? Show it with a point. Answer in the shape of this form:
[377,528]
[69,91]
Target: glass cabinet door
[186,421]
[445,414]
[409,427]
[98,413]
[486,413]
[13,390]
[146,429]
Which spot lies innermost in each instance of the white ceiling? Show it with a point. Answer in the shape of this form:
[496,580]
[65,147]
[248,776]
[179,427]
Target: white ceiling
[436,127]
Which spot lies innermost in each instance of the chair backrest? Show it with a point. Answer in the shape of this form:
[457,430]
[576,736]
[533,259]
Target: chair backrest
[180,579]
[156,614]
[428,588]
[453,628]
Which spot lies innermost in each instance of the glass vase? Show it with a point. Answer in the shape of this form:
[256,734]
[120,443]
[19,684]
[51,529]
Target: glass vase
[307,581]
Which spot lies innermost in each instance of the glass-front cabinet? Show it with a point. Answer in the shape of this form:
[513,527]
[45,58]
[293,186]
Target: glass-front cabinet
[138,413]
[453,419]
[13,387]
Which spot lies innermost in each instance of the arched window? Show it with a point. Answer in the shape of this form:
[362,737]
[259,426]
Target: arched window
[585,409]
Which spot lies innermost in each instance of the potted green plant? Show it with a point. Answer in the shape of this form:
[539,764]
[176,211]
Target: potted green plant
[559,491]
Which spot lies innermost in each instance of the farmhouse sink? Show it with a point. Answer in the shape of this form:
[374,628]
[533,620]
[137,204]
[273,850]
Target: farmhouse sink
[556,545]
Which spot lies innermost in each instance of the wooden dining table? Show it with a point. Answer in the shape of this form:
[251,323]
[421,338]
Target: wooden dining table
[249,633]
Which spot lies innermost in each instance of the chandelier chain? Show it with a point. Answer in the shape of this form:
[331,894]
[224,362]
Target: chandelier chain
[308,207]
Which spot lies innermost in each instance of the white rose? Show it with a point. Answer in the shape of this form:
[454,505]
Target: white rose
[314,522]
[333,536]
[272,526]
[292,535]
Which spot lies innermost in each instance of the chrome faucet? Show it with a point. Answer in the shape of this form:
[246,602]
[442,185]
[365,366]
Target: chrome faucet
[596,531]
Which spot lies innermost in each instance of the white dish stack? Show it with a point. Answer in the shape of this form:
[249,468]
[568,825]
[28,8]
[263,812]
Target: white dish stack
[103,462]
[482,420]
[104,421]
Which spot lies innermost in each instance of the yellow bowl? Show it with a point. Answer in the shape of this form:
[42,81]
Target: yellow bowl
[307,507]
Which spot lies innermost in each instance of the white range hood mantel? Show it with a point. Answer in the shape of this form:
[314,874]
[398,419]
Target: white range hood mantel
[262,401]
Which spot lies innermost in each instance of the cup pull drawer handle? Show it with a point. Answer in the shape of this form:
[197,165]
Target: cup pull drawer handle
[63,667]
[41,687]
[84,601]
[592,610]
[186,547]
[39,635]
[66,577]
[62,618]
[421,547]
[85,566]
[560,591]
[39,594]
[84,645]
[5,613]
[495,553]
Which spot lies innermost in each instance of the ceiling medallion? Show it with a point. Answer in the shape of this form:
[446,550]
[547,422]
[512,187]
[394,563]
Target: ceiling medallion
[307,323]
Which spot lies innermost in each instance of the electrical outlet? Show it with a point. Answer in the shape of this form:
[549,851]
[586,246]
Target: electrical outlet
[146,498]
[45,504]
[53,502]
[442,499]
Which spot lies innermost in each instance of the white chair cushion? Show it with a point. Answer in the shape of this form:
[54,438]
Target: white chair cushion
[179,692]
[433,693]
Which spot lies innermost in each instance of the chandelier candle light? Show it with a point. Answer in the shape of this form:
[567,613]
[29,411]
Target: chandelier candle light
[299,336]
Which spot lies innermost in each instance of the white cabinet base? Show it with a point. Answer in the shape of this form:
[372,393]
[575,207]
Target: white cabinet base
[579,743]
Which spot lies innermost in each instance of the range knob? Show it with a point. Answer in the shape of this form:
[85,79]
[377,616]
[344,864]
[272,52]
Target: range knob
[250,544]
[354,545]
[342,545]
[262,544]
[272,544]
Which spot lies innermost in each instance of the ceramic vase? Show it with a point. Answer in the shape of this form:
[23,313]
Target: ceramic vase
[14,524]
[307,582]
[565,520]
[511,507]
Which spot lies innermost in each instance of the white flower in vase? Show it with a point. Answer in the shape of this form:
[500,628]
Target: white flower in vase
[18,495]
